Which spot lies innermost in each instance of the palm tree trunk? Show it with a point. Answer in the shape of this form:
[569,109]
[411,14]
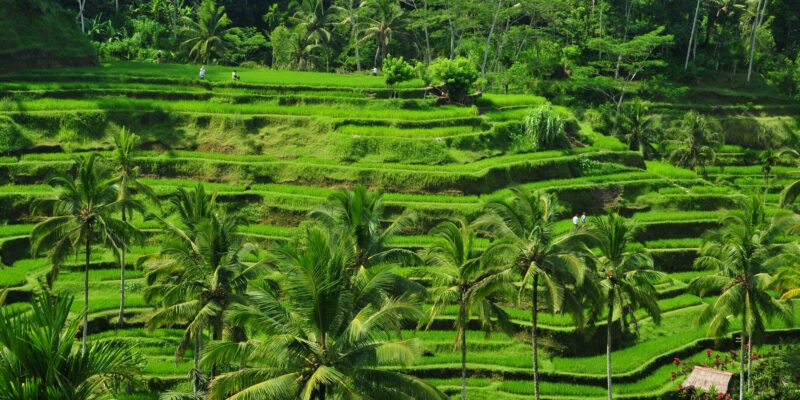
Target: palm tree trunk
[81,6]
[462,315]
[749,361]
[198,337]
[88,253]
[121,319]
[534,339]
[741,364]
[609,321]
[753,40]
[489,38]
[691,37]
[355,43]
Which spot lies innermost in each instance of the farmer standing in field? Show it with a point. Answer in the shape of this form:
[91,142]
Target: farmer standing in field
[583,218]
[575,221]
[202,72]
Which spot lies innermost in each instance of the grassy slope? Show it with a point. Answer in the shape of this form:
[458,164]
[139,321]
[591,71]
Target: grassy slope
[334,97]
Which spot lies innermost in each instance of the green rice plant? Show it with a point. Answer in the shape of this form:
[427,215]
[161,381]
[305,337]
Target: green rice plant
[22,271]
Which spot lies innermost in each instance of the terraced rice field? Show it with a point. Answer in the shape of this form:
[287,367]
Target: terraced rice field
[278,144]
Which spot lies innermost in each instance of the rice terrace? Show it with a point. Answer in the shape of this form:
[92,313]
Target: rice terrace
[399,199]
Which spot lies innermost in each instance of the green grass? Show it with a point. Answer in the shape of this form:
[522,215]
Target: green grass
[222,74]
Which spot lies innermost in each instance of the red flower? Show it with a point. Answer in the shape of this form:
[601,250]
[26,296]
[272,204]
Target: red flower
[674,375]
[747,346]
[718,362]
[709,352]
[676,361]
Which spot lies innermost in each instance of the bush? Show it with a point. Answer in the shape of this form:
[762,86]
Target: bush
[543,128]
[397,70]
[458,76]
[12,138]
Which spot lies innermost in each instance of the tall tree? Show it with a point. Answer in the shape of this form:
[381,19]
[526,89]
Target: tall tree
[692,35]
[357,215]
[80,216]
[522,227]
[199,272]
[319,337]
[758,15]
[382,23]
[632,56]
[128,183]
[38,360]
[640,129]
[741,253]
[697,140]
[460,276]
[349,12]
[626,276]
[206,36]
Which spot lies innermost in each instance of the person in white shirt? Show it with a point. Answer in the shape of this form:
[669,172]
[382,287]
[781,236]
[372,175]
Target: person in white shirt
[583,217]
[234,76]
[575,221]
[374,71]
[203,72]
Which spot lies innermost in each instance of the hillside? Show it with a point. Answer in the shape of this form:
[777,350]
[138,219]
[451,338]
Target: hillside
[41,34]
[277,144]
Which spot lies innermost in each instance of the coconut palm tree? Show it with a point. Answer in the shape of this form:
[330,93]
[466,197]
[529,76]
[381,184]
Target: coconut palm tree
[697,140]
[357,214]
[524,239]
[314,18]
[770,157]
[128,183]
[206,37]
[741,252]
[199,272]
[319,337]
[349,12]
[625,274]
[80,216]
[641,130]
[459,276]
[38,360]
[381,24]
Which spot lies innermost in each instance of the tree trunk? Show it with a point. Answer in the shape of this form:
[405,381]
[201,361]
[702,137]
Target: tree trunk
[691,37]
[749,361]
[377,52]
[452,31]
[753,40]
[198,338]
[88,253]
[175,16]
[534,338]
[121,319]
[609,321]
[462,315]
[81,6]
[427,36]
[741,363]
[489,38]
[355,43]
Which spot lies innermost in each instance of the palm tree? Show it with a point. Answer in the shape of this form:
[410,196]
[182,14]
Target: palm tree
[80,216]
[314,18]
[741,252]
[641,130]
[770,157]
[207,36]
[349,12]
[313,21]
[38,360]
[697,140]
[358,214]
[522,226]
[128,182]
[459,275]
[319,337]
[626,276]
[199,272]
[382,23]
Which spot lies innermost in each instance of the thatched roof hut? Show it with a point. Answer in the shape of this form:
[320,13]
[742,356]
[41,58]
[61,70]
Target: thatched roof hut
[706,378]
